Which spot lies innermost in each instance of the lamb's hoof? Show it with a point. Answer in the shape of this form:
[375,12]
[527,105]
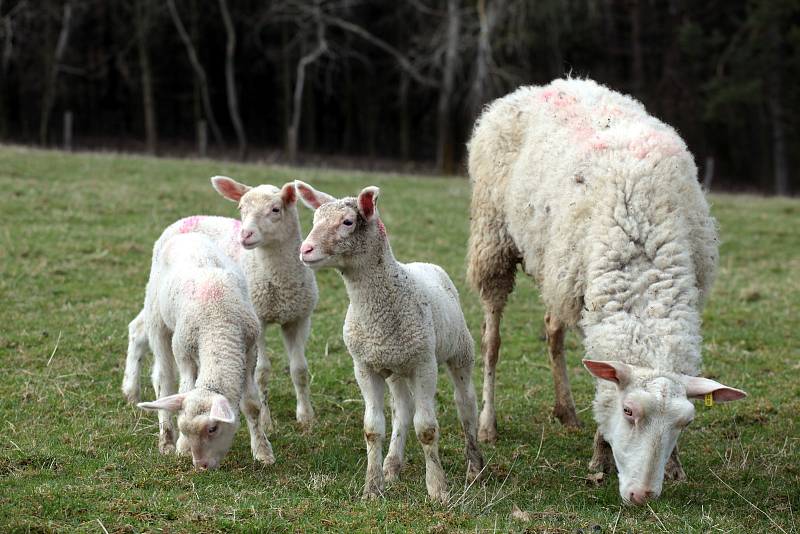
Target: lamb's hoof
[391,469]
[264,455]
[474,472]
[131,394]
[166,448]
[305,418]
[439,494]
[487,432]
[567,416]
[372,492]
[182,447]
[674,471]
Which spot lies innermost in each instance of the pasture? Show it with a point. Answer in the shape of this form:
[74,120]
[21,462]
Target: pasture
[75,238]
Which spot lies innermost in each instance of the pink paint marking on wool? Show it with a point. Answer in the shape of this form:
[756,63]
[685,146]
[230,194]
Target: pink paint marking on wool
[209,290]
[654,142]
[189,224]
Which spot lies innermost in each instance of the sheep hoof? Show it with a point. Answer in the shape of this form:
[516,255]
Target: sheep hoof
[131,394]
[487,431]
[439,495]
[567,416]
[391,469]
[674,471]
[305,419]
[371,492]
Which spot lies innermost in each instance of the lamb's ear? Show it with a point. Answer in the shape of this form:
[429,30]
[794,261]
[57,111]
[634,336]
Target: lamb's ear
[367,202]
[310,196]
[617,372]
[221,410]
[171,403]
[229,188]
[698,387]
[289,194]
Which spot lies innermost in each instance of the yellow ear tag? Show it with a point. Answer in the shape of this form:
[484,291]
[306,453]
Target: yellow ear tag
[709,400]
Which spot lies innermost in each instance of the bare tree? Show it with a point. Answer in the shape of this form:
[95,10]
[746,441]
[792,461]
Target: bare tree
[199,71]
[444,144]
[230,78]
[481,88]
[49,93]
[142,21]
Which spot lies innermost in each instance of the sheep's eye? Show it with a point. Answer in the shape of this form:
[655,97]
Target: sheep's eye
[628,412]
[212,429]
[347,222]
[276,210]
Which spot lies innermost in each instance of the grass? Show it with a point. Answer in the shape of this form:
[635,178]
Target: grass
[75,246]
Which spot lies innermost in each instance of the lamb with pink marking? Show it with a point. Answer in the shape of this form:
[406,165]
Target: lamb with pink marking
[201,326]
[265,244]
[598,202]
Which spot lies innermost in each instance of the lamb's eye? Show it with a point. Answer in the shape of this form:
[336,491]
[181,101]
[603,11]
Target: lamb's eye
[347,222]
[276,210]
[212,429]
[627,411]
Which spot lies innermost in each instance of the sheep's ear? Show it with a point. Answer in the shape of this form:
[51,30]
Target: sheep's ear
[289,194]
[310,196]
[229,188]
[221,410]
[367,202]
[617,372]
[172,403]
[698,387]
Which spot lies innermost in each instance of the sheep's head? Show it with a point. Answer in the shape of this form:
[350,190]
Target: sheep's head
[643,419]
[269,214]
[207,423]
[343,228]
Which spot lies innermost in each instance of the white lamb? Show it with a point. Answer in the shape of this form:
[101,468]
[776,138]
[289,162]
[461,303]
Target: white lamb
[265,244]
[199,318]
[600,204]
[402,321]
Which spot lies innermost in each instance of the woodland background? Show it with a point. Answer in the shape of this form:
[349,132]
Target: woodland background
[393,84]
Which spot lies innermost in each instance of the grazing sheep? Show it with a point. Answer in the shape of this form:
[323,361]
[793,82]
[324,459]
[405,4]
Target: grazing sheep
[265,243]
[198,317]
[402,321]
[600,204]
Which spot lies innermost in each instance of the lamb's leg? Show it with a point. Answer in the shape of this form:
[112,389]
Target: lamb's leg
[372,388]
[163,375]
[674,469]
[467,407]
[427,428]
[252,407]
[187,373]
[402,414]
[295,336]
[602,456]
[137,347]
[490,346]
[262,372]
[564,408]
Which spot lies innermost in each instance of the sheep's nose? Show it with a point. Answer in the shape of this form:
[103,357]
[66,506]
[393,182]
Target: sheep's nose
[306,248]
[247,234]
[640,496]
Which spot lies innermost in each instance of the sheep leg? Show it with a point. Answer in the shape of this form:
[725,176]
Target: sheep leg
[602,456]
[163,375]
[674,469]
[251,406]
[402,414]
[490,346]
[262,372]
[467,406]
[137,347]
[295,336]
[427,428]
[372,388]
[564,408]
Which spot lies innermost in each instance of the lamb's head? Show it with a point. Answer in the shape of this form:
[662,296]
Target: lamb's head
[344,229]
[269,214]
[641,413]
[207,423]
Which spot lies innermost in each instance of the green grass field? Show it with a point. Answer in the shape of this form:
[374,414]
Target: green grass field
[75,238]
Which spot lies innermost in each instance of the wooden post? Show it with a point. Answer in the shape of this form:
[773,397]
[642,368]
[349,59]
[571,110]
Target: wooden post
[202,138]
[68,130]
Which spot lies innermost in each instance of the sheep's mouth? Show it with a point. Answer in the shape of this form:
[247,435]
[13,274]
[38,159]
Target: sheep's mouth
[249,245]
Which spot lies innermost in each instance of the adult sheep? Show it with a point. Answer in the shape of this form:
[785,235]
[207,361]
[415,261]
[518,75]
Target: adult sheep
[599,203]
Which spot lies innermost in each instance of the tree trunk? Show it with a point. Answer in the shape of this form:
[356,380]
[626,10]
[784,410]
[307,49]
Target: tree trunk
[49,95]
[405,120]
[198,70]
[142,21]
[637,59]
[480,89]
[444,145]
[230,78]
[780,165]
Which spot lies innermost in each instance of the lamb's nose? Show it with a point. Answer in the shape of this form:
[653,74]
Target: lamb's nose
[201,466]
[306,248]
[641,496]
[247,234]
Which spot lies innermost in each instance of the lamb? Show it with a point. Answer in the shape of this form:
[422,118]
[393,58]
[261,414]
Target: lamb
[265,244]
[402,321]
[198,317]
[599,203]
